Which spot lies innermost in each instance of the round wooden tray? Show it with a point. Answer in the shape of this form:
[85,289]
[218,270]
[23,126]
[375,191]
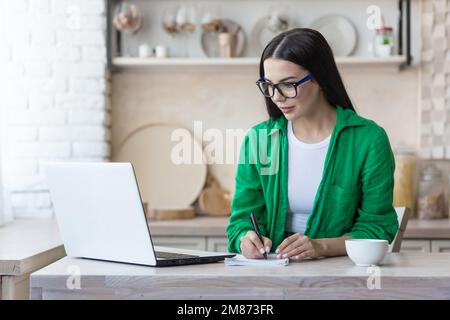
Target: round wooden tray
[163,183]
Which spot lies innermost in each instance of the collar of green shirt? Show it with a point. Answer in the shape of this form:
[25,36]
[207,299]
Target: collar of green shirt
[344,118]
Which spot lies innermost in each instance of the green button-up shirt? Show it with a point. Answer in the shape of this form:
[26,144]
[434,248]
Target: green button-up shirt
[354,197]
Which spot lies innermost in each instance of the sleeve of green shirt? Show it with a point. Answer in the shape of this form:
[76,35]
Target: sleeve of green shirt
[248,197]
[376,216]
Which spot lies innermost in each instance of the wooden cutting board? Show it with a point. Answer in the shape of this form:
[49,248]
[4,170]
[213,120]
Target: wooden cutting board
[214,200]
[170,214]
[163,183]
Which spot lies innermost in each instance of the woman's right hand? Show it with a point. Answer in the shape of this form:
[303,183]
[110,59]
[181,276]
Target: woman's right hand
[251,246]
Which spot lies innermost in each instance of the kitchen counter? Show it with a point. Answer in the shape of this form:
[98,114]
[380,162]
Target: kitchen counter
[428,229]
[402,276]
[215,226]
[199,226]
[26,246]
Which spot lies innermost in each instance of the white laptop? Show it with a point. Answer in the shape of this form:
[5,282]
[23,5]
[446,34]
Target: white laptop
[100,216]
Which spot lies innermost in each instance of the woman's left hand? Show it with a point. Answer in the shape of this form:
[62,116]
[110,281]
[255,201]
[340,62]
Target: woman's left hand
[299,247]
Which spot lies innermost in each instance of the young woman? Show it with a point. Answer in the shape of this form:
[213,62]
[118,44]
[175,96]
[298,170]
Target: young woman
[328,173]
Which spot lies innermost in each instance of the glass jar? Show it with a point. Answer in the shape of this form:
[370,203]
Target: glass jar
[431,201]
[404,191]
[383,42]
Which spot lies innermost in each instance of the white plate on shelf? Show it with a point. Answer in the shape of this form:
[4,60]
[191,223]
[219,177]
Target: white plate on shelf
[339,32]
[261,34]
[210,41]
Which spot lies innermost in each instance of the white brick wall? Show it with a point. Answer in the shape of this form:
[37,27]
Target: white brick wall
[56,101]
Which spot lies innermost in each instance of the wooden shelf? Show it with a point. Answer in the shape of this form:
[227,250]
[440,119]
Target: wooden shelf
[393,61]
[123,63]
[140,62]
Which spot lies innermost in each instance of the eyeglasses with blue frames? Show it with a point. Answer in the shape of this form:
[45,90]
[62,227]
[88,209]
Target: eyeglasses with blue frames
[286,89]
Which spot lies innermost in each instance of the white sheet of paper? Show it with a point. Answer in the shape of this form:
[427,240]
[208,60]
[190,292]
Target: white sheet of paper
[240,260]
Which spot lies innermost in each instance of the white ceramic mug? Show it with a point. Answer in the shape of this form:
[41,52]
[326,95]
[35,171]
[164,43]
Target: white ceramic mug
[161,51]
[144,50]
[366,252]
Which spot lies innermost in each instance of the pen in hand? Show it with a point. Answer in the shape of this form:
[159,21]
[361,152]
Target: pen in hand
[258,233]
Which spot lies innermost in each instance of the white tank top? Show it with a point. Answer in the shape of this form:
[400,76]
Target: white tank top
[305,167]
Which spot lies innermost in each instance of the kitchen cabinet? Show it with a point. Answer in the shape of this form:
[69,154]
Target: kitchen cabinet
[216,244]
[219,244]
[415,246]
[200,233]
[208,233]
[193,243]
[425,245]
[440,245]
[427,236]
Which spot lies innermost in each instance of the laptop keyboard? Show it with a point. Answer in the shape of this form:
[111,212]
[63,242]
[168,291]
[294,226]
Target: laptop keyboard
[171,255]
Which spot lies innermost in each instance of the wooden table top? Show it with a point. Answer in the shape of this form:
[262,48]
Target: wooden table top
[25,242]
[402,275]
[407,264]
[26,245]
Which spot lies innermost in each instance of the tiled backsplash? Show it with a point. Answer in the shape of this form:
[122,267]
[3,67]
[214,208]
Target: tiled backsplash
[435,80]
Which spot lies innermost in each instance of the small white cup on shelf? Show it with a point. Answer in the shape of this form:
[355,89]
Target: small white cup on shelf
[161,51]
[144,51]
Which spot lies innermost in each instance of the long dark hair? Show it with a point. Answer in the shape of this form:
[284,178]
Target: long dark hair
[308,49]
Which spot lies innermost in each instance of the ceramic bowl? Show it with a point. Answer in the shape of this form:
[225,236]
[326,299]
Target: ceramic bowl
[366,252]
